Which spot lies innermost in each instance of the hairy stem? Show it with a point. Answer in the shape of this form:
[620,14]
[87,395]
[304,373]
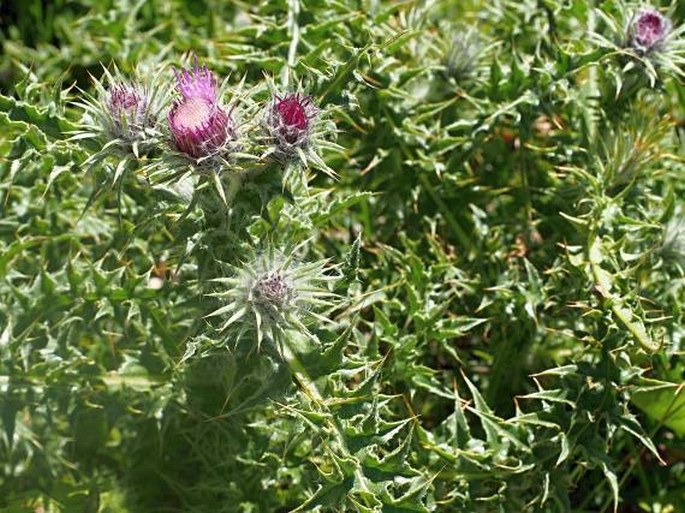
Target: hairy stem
[310,389]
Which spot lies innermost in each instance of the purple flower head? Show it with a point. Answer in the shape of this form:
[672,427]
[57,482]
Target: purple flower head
[649,29]
[197,83]
[199,126]
[289,120]
[122,98]
[128,106]
[273,290]
[292,111]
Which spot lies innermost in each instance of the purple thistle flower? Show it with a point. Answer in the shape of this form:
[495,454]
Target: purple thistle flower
[291,109]
[649,29]
[122,98]
[199,126]
[273,290]
[289,120]
[197,83]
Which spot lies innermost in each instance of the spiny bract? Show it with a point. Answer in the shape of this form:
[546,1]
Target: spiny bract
[274,293]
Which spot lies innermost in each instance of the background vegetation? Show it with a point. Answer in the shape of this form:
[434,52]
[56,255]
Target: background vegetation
[508,226]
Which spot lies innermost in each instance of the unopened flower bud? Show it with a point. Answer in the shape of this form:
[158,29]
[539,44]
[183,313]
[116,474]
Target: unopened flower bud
[462,55]
[129,109]
[649,29]
[272,294]
[273,291]
[289,119]
[673,245]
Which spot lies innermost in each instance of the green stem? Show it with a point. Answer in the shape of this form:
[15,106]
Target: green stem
[294,30]
[613,301]
[310,389]
[449,218]
[591,87]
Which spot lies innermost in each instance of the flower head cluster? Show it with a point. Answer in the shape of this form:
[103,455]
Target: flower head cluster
[203,131]
[648,30]
[289,120]
[272,294]
[200,126]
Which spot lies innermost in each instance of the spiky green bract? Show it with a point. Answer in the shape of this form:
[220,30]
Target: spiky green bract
[273,294]
[673,245]
[463,51]
[649,55]
[122,117]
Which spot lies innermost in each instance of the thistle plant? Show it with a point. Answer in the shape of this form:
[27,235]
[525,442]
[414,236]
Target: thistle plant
[499,324]
[273,294]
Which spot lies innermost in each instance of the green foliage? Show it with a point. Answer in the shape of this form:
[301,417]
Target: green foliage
[465,293]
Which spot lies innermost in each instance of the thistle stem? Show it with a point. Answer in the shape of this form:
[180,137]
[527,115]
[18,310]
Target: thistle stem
[614,302]
[591,87]
[310,389]
[451,221]
[294,29]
